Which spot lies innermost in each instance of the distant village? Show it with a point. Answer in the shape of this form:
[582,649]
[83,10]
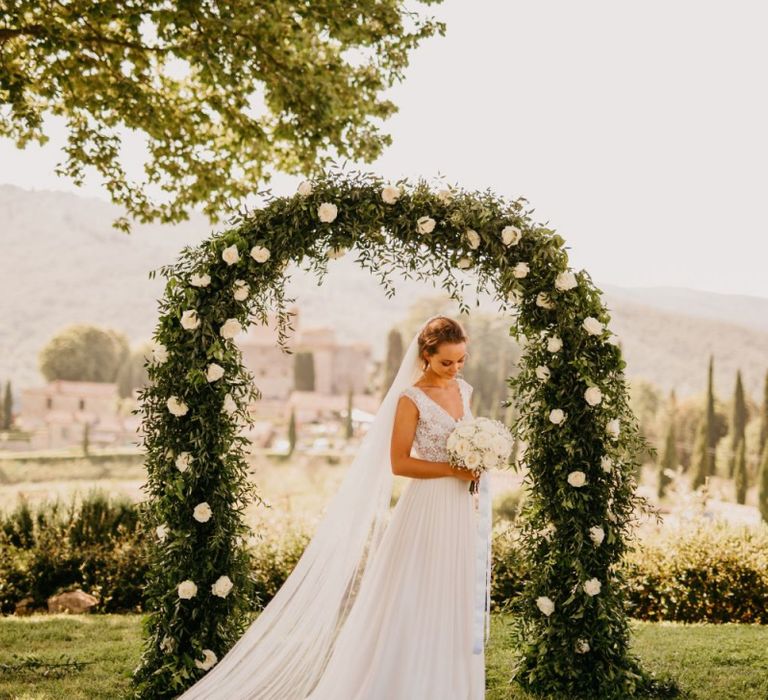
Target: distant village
[316,383]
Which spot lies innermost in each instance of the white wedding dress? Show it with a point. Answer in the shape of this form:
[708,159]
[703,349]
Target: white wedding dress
[383,604]
[408,635]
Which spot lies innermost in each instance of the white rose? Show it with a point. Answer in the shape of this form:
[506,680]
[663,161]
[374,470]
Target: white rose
[260,254]
[582,646]
[557,416]
[473,460]
[390,194]
[159,353]
[187,589]
[209,660]
[593,396]
[426,224]
[554,344]
[241,290]
[592,325]
[202,512]
[464,263]
[445,196]
[612,428]
[511,235]
[214,372]
[162,532]
[176,406]
[606,463]
[333,253]
[545,604]
[473,238]
[230,255]
[200,280]
[592,587]
[327,212]
[222,586]
[462,447]
[521,270]
[230,406]
[500,445]
[304,188]
[483,440]
[183,461]
[190,319]
[597,534]
[577,479]
[543,373]
[230,328]
[543,300]
[565,281]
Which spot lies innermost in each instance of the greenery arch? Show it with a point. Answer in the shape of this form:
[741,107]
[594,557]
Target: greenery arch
[571,629]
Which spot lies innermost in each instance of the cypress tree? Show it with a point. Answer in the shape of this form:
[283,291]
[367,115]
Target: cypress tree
[740,472]
[763,440]
[292,431]
[738,423]
[711,427]
[700,461]
[349,431]
[762,484]
[669,459]
[7,422]
[392,360]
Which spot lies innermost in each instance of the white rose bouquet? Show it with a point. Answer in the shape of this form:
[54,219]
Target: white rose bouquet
[479,444]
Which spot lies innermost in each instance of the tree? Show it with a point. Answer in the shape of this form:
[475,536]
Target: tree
[292,431]
[7,418]
[84,353]
[348,427]
[701,455]
[762,484]
[86,438]
[763,439]
[132,374]
[739,419]
[392,359]
[222,94]
[304,371]
[713,434]
[669,460]
[740,472]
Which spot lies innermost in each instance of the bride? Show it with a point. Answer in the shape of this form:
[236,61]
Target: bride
[384,605]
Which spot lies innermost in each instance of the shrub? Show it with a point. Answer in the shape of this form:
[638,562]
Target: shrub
[704,572]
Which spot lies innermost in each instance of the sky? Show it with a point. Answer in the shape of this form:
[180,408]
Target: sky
[635,129]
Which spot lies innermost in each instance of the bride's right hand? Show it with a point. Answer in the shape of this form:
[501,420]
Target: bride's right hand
[464,474]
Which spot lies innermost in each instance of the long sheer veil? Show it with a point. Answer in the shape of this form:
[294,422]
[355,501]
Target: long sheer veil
[282,654]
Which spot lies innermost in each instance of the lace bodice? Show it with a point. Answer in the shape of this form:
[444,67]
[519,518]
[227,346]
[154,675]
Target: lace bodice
[435,423]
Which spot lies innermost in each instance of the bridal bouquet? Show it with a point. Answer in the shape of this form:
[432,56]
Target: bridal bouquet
[479,444]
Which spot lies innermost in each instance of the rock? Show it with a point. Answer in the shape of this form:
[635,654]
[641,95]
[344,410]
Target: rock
[25,606]
[72,601]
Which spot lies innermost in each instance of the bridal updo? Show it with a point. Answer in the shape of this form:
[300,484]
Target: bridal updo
[439,330]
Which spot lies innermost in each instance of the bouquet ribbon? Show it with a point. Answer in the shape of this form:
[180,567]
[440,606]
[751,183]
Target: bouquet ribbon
[482,600]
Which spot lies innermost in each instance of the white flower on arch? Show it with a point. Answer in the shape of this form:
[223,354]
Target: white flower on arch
[327,212]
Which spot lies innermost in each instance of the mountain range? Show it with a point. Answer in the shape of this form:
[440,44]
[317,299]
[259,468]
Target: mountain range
[62,263]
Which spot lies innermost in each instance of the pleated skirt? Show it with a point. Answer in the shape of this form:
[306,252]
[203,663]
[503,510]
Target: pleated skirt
[408,635]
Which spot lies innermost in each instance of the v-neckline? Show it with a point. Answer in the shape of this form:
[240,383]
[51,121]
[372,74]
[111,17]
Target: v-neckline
[444,410]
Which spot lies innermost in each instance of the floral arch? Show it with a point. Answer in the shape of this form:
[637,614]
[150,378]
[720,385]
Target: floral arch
[570,625]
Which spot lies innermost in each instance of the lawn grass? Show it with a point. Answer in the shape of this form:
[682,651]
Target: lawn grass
[727,662]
